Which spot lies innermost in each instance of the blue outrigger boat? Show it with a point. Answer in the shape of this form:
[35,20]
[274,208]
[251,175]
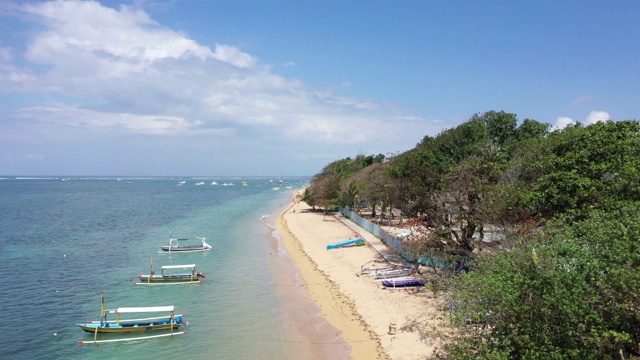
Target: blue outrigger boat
[169,321]
[344,243]
[402,282]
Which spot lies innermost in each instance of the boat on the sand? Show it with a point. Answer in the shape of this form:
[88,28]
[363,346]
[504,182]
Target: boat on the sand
[346,243]
[402,282]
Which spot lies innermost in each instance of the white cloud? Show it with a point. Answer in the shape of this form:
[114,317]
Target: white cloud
[124,70]
[592,118]
[234,56]
[114,36]
[11,75]
[74,117]
[597,116]
[108,71]
[562,122]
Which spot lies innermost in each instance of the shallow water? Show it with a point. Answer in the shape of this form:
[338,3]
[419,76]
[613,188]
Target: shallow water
[63,243]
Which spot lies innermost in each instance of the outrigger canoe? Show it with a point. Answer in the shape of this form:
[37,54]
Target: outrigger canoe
[169,322]
[402,282]
[168,276]
[344,243]
[387,272]
[393,273]
[183,245]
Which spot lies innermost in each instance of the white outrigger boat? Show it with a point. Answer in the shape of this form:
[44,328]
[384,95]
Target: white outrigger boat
[197,244]
[393,273]
[168,276]
[168,322]
[390,271]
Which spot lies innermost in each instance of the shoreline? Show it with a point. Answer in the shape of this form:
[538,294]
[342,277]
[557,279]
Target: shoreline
[357,306]
[309,335]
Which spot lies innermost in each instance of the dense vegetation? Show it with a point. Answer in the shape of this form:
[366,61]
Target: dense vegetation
[559,277]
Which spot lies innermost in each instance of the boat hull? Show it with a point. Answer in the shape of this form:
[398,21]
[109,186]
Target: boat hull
[394,273]
[131,327]
[162,281]
[402,282]
[184,248]
[375,271]
[174,279]
[170,278]
[345,243]
[125,329]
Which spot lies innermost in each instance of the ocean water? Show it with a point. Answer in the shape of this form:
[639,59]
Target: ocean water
[63,242]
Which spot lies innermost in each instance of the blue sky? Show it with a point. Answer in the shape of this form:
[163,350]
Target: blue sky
[208,88]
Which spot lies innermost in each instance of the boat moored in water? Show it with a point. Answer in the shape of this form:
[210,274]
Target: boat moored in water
[169,276]
[186,245]
[169,321]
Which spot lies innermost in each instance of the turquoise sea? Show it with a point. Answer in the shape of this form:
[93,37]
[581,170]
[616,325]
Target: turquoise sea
[63,242]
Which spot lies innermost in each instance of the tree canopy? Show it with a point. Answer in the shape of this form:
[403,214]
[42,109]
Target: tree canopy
[560,281]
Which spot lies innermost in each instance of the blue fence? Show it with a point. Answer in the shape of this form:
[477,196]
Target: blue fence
[375,229]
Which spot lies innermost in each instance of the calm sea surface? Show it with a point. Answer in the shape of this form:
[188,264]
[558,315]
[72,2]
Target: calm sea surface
[63,242]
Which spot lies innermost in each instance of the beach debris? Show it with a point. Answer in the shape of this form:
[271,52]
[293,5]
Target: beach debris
[392,328]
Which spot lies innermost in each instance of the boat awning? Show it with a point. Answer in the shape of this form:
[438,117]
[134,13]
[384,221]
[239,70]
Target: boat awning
[188,266]
[126,310]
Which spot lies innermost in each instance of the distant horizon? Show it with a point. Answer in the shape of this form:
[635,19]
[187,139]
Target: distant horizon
[155,176]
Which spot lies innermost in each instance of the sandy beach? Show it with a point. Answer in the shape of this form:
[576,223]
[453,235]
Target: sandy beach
[374,321]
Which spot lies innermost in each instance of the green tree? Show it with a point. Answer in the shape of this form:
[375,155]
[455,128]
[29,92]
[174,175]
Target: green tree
[449,176]
[571,293]
[501,126]
[325,187]
[579,169]
[370,182]
[530,130]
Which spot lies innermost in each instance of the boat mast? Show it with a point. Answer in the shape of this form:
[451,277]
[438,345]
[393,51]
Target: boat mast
[153,272]
[102,303]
